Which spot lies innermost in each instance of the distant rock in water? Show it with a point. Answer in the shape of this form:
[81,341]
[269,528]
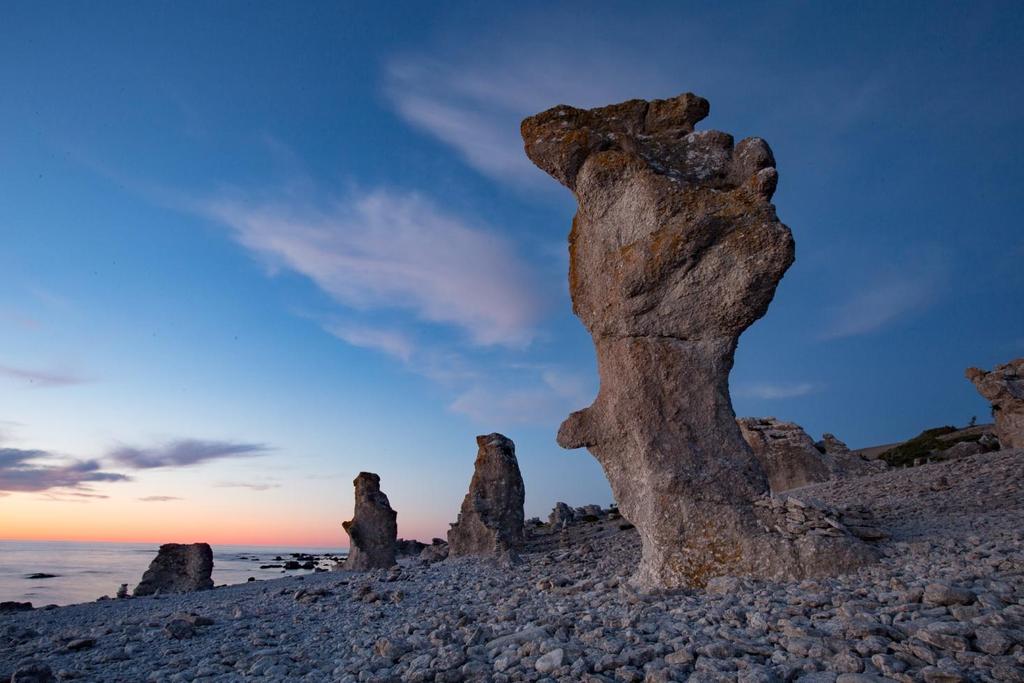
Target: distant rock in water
[1003,387]
[674,251]
[491,516]
[41,575]
[178,568]
[373,529]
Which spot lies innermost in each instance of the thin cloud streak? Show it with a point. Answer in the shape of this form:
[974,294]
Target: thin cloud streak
[159,499]
[183,453]
[772,391]
[390,342]
[245,485]
[890,297]
[42,378]
[397,251]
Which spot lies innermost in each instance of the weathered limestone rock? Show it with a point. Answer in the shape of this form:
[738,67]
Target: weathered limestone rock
[373,529]
[561,514]
[178,568]
[1003,387]
[492,511]
[674,251]
[785,451]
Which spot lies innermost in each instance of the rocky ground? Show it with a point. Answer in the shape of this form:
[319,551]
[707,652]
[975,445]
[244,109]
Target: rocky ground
[946,603]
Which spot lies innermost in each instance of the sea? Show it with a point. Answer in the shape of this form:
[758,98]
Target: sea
[84,572]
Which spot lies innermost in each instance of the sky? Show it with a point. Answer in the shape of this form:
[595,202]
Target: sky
[248,250]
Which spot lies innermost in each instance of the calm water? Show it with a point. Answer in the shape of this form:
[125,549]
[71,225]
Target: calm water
[85,571]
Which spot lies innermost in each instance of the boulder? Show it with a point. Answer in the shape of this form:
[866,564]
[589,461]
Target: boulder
[674,251]
[1003,387]
[492,511]
[178,568]
[373,529]
[785,451]
[561,514]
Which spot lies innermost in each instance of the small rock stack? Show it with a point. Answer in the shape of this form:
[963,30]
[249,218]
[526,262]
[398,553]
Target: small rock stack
[178,568]
[373,529]
[492,512]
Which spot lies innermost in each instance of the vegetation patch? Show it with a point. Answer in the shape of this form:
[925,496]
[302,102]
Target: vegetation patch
[924,445]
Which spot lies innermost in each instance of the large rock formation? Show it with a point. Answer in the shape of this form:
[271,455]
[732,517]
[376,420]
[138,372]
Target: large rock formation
[785,451]
[1003,387]
[373,529]
[674,251]
[178,568]
[491,517]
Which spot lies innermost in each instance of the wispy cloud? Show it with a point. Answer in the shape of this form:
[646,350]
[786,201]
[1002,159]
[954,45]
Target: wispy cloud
[391,342]
[893,294]
[158,499]
[184,452]
[246,485]
[396,251]
[547,400]
[773,390]
[37,470]
[42,378]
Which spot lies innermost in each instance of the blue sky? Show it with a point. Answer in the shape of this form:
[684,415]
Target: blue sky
[250,249]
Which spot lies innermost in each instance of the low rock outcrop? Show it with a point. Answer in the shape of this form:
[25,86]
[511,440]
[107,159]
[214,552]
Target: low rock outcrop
[178,568]
[1003,387]
[785,451]
[373,529]
[492,512]
[791,459]
[674,251]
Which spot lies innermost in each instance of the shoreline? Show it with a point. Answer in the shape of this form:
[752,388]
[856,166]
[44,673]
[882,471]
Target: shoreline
[944,603]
